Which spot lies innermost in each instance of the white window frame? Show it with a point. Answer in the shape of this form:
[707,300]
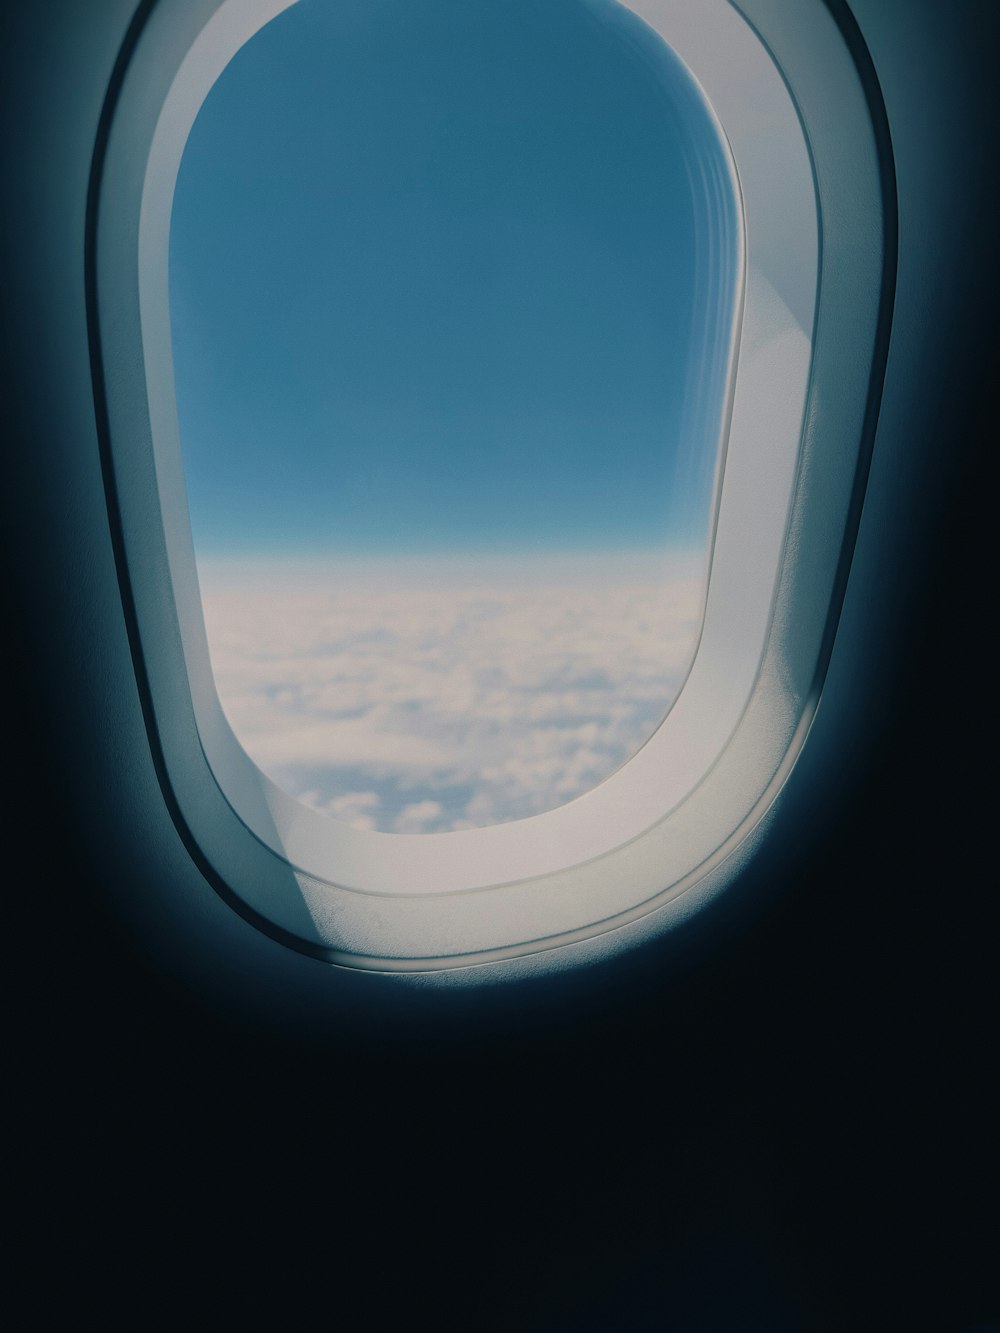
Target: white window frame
[672,825]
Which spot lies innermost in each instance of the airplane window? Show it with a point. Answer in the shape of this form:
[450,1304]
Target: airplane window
[484,469]
[453,297]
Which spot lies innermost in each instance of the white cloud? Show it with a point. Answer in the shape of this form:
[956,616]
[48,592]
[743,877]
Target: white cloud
[416,818]
[354,807]
[427,701]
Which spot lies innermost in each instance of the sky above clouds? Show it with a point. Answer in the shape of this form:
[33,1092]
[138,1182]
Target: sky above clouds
[451,284]
[441,277]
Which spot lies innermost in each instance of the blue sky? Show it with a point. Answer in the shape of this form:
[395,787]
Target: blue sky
[440,281]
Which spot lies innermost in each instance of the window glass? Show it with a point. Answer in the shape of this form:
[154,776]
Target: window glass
[452,291]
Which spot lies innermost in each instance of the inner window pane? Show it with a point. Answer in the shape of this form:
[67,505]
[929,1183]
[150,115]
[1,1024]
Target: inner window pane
[452,291]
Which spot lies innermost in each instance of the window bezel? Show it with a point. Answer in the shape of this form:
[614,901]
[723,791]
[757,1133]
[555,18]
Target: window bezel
[259,846]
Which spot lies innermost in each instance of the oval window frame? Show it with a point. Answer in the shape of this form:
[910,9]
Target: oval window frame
[627,848]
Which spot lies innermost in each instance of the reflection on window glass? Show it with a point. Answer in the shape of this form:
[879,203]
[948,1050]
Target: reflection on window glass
[452,289]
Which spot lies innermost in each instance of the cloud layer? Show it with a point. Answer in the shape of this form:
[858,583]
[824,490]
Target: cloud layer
[414,700]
